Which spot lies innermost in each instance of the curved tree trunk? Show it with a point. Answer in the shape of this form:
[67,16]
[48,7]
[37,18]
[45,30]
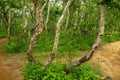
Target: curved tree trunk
[39,29]
[58,26]
[89,55]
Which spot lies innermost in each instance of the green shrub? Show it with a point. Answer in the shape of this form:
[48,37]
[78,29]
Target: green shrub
[85,72]
[56,72]
[15,46]
[3,34]
[33,71]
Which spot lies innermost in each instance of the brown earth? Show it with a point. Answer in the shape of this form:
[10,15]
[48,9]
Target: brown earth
[10,65]
[106,58]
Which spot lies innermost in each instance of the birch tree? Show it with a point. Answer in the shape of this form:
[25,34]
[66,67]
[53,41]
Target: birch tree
[24,23]
[48,13]
[76,18]
[58,27]
[39,29]
[34,24]
[9,22]
[43,7]
[67,21]
[82,16]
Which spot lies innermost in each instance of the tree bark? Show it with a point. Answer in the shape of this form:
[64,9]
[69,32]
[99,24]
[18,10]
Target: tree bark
[67,21]
[82,14]
[89,55]
[24,24]
[48,13]
[58,26]
[9,23]
[76,18]
[83,11]
[39,29]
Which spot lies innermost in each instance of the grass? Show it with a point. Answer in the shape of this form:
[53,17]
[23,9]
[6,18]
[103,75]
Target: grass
[3,34]
[56,72]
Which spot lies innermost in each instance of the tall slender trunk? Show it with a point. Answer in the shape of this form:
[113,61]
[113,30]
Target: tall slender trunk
[48,13]
[67,21]
[34,25]
[9,22]
[0,23]
[89,55]
[24,24]
[83,12]
[39,29]
[58,26]
[43,7]
[76,18]
[82,16]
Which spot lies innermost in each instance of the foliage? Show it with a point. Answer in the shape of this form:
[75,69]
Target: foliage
[71,39]
[33,71]
[3,34]
[85,72]
[55,72]
[45,42]
[15,46]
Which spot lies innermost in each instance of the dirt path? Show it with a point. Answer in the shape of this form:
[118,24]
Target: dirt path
[108,58]
[10,65]
[3,71]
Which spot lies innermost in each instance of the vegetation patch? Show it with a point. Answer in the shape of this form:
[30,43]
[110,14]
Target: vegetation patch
[15,46]
[56,72]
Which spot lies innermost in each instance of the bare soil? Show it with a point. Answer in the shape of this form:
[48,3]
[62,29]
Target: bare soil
[10,65]
[106,58]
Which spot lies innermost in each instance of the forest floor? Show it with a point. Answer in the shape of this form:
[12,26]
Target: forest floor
[10,64]
[106,58]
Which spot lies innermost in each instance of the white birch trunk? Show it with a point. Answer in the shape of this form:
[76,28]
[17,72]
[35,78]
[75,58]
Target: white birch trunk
[58,26]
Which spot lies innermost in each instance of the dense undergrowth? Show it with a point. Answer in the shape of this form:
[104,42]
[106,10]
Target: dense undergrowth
[56,72]
[68,42]
[72,38]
